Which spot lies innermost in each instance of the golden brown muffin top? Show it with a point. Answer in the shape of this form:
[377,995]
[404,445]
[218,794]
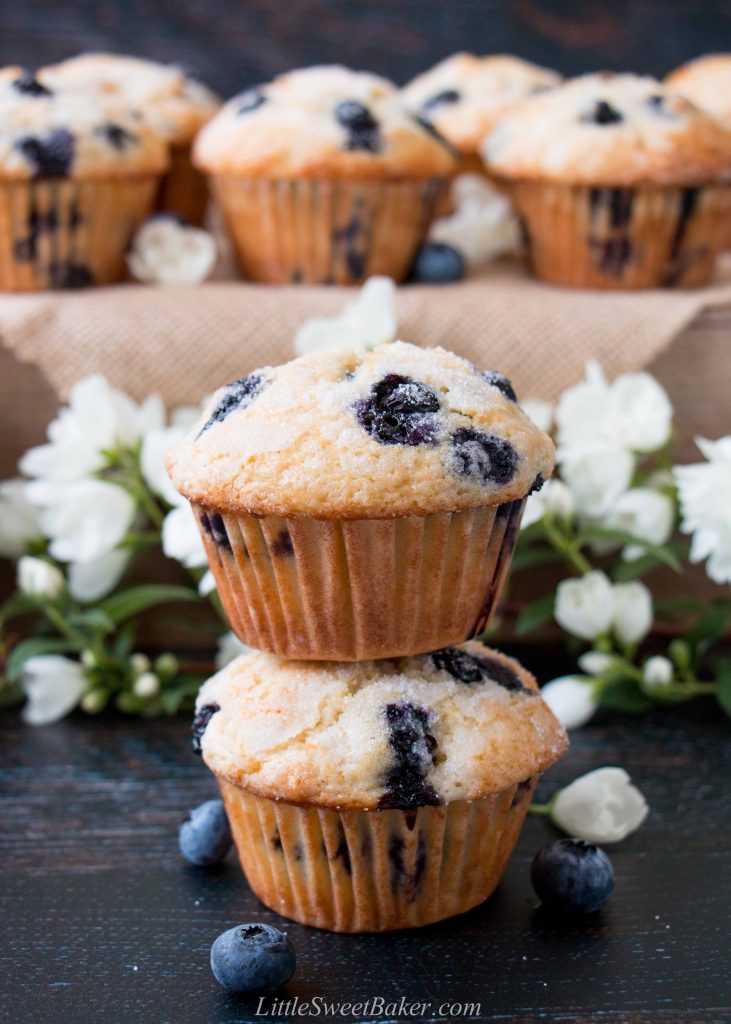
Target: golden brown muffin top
[464,95]
[350,434]
[707,82]
[322,122]
[459,724]
[48,133]
[613,130]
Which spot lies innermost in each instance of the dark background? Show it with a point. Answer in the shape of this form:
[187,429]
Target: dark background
[234,43]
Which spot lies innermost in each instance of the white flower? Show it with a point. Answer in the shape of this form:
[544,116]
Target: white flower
[166,252]
[155,445]
[657,672]
[140,663]
[633,412]
[633,614]
[98,418]
[18,519]
[704,491]
[40,578]
[146,685]
[585,606]
[53,686]
[538,412]
[595,662]
[207,584]
[369,320]
[645,514]
[596,474]
[571,699]
[483,225]
[554,499]
[83,519]
[229,647]
[601,807]
[88,581]
[181,538]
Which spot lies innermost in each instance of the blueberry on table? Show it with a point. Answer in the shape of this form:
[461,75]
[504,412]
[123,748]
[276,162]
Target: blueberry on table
[438,263]
[252,959]
[573,876]
[205,835]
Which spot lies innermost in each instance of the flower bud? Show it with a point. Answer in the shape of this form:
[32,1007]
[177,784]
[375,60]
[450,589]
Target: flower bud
[633,614]
[140,663]
[147,685]
[657,672]
[571,699]
[39,578]
[93,701]
[166,666]
[601,807]
[585,606]
[595,662]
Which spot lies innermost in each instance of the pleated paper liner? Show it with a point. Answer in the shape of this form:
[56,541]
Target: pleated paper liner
[68,233]
[352,590]
[371,871]
[183,189]
[644,237]
[326,232]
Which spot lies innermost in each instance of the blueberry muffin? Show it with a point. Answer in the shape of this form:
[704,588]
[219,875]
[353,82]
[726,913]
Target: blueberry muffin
[464,95]
[361,505]
[620,182]
[706,82]
[323,177]
[175,104]
[78,174]
[376,795]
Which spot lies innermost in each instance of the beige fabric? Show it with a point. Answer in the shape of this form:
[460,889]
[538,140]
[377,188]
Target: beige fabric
[184,342]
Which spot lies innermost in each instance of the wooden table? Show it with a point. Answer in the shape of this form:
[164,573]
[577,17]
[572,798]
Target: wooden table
[103,922]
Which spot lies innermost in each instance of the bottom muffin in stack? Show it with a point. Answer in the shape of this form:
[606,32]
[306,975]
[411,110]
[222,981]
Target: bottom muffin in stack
[376,795]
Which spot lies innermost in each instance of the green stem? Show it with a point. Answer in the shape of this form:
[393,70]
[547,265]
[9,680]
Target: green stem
[567,548]
[55,617]
[544,809]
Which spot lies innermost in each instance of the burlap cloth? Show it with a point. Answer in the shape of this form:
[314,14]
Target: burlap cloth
[184,342]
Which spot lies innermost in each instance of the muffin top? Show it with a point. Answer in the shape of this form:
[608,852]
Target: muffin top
[707,82]
[612,130]
[322,122]
[458,724]
[45,133]
[464,94]
[175,104]
[350,434]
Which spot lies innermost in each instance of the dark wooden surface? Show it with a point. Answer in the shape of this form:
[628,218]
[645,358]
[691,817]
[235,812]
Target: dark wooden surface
[101,921]
[234,43]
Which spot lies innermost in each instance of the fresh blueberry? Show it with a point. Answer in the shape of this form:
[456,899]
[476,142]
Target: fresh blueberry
[438,263]
[603,113]
[484,457]
[50,156]
[205,835]
[238,395]
[252,959]
[28,84]
[200,723]
[501,382]
[400,410]
[446,96]
[572,875]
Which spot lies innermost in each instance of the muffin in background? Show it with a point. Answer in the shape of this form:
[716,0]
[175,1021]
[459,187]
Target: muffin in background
[322,177]
[619,182]
[174,103]
[377,795]
[706,81]
[78,175]
[464,95]
[360,505]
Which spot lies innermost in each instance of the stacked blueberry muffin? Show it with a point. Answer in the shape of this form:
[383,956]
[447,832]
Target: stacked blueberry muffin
[359,512]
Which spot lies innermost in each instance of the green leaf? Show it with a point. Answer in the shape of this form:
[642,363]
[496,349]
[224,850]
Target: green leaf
[710,626]
[723,679]
[661,553]
[529,557]
[625,695]
[93,619]
[18,604]
[535,614]
[32,647]
[127,603]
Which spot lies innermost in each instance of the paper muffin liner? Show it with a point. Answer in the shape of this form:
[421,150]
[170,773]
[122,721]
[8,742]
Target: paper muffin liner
[62,233]
[183,189]
[645,237]
[372,871]
[326,232]
[353,590]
